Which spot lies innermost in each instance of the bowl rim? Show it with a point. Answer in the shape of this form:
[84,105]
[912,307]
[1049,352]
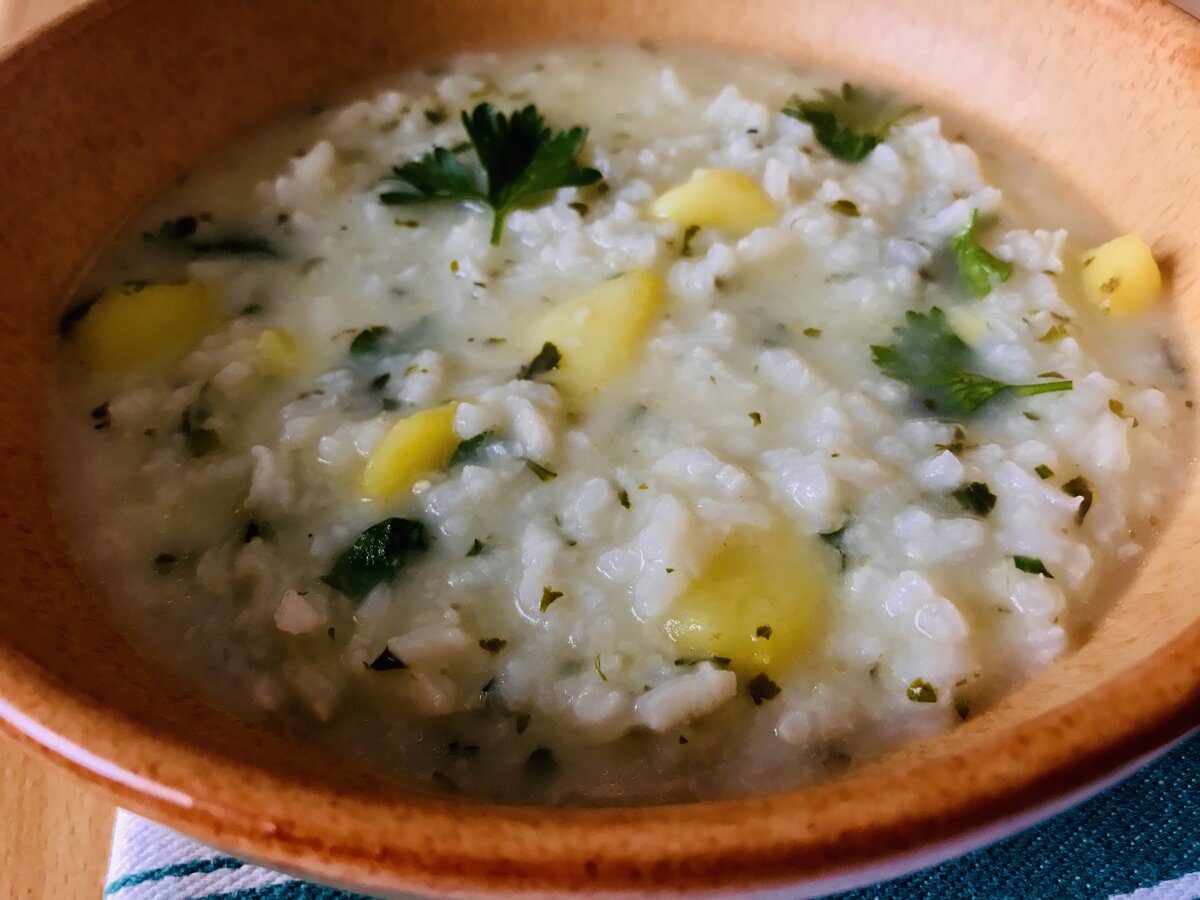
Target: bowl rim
[560,849]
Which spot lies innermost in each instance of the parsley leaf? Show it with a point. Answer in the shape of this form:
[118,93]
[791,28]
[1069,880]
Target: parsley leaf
[975,264]
[547,359]
[761,688]
[469,450]
[977,497]
[1079,487]
[931,358]
[519,154]
[1032,565]
[850,123]
[376,556]
[181,234]
[921,691]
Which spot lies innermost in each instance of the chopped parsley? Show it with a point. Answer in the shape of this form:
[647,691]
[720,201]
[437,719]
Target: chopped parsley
[921,691]
[368,340]
[977,497]
[931,358]
[764,632]
[377,556]
[761,689]
[181,235]
[549,595]
[541,763]
[198,438]
[689,233]
[1032,565]
[520,156]
[385,662]
[469,451]
[1054,333]
[599,670]
[623,498]
[540,471]
[547,359]
[834,539]
[976,265]
[493,645]
[850,123]
[1079,487]
[101,417]
[478,548]
[521,722]
[720,662]
[1044,471]
[756,418]
[957,444]
[164,563]
[812,332]
[845,207]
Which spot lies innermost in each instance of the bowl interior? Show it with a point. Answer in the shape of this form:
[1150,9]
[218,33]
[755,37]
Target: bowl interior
[99,112]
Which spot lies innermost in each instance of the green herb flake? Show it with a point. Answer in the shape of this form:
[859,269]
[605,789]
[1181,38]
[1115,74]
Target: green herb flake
[549,595]
[921,691]
[386,661]
[812,332]
[1079,487]
[181,235]
[850,123]
[1031,565]
[976,265]
[164,563]
[756,418]
[599,670]
[541,763]
[1032,416]
[761,689]
[198,438]
[1055,333]
[835,540]
[580,208]
[977,497]
[957,443]
[368,340]
[521,722]
[478,548]
[546,360]
[521,156]
[470,450]
[377,556]
[1044,471]
[685,249]
[929,357]
[845,208]
[436,116]
[764,632]
[540,471]
[1117,408]
[623,498]
[493,645]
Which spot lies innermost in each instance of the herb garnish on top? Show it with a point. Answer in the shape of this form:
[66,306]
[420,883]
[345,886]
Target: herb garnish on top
[850,123]
[520,156]
[931,358]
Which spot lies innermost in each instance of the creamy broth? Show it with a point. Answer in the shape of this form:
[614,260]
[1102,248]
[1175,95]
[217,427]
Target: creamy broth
[703,544]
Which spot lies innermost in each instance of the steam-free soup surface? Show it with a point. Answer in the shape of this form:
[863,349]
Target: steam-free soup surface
[710,451]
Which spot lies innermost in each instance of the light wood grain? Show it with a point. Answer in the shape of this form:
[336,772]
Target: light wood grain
[54,832]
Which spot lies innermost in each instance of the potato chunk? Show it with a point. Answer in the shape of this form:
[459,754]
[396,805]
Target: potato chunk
[277,353]
[1121,277]
[758,602]
[598,334]
[416,445]
[140,326]
[717,198]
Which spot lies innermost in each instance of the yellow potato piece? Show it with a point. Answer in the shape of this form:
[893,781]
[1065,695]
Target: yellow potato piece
[136,326]
[717,198]
[598,334]
[277,353]
[1121,277]
[758,602]
[969,328]
[416,445]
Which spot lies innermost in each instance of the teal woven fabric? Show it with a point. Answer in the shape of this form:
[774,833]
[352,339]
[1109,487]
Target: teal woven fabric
[1139,840]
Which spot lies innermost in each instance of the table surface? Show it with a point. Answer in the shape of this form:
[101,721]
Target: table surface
[54,832]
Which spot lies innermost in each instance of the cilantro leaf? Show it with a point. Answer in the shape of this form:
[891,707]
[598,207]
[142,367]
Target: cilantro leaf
[850,123]
[547,360]
[975,264]
[1032,565]
[976,497]
[376,556]
[520,156]
[929,357]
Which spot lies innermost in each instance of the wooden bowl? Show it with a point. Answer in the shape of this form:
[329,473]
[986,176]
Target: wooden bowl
[103,108]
